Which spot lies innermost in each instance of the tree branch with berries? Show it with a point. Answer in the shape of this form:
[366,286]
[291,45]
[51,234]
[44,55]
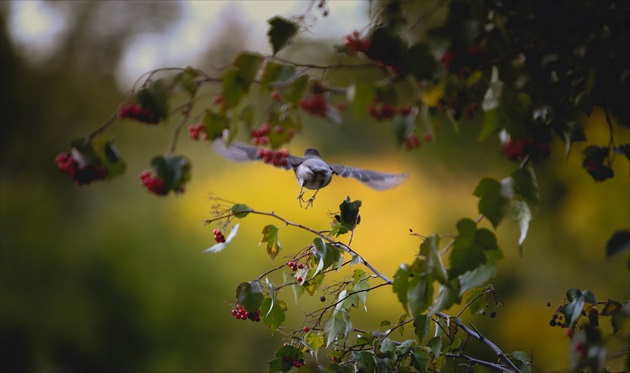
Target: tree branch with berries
[489,64]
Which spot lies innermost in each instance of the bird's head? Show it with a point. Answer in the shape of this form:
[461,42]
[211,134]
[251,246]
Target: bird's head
[310,152]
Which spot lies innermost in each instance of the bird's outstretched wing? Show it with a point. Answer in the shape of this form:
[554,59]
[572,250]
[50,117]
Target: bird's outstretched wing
[240,152]
[373,179]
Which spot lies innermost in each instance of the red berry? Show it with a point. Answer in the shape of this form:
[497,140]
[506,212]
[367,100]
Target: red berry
[307,329]
[276,96]
[300,266]
[299,279]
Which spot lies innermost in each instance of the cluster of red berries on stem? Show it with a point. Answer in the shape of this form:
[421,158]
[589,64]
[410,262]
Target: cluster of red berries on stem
[295,266]
[241,313]
[316,105]
[195,131]
[355,44]
[276,158]
[81,174]
[138,113]
[298,363]
[153,183]
[517,149]
[218,236]
[259,134]
[383,111]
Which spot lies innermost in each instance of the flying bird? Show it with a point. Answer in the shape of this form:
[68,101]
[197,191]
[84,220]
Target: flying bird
[311,171]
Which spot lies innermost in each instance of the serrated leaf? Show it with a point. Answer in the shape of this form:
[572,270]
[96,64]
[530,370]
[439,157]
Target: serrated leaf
[472,248]
[155,98]
[406,346]
[365,361]
[250,295]
[273,312]
[296,90]
[215,123]
[492,203]
[447,296]
[276,73]
[361,288]
[220,246]
[526,185]
[477,300]
[573,132]
[429,248]
[519,212]
[421,326]
[240,210]
[420,293]
[186,80]
[297,289]
[105,150]
[233,88]
[420,359]
[349,214]
[619,242]
[280,33]
[248,64]
[314,341]
[477,277]
[325,254]
[401,285]
[333,329]
[173,169]
[270,237]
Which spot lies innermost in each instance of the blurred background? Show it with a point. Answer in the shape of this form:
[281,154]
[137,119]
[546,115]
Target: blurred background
[108,277]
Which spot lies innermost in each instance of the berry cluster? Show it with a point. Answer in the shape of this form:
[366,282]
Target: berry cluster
[276,158]
[153,184]
[298,363]
[355,44]
[276,96]
[463,63]
[241,313]
[412,142]
[597,163]
[383,111]
[218,236]
[85,174]
[137,112]
[295,266]
[259,135]
[516,150]
[195,131]
[316,105]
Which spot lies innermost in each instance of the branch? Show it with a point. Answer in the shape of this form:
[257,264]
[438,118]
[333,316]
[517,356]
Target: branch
[476,334]
[477,361]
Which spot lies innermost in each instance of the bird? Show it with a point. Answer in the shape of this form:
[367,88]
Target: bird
[311,171]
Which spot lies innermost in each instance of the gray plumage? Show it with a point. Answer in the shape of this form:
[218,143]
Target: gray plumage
[311,171]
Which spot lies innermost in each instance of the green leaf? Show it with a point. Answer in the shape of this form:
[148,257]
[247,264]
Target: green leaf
[361,287]
[493,96]
[619,242]
[285,357]
[447,296]
[519,212]
[573,132]
[401,284]
[406,346]
[240,210]
[477,277]
[234,88]
[173,169]
[326,254]
[280,33]
[365,361]
[314,341]
[155,98]
[420,359]
[273,312]
[420,293]
[276,73]
[490,124]
[349,215]
[526,185]
[435,266]
[296,288]
[215,123]
[333,329]
[521,360]
[421,326]
[472,248]
[296,90]
[248,64]
[107,153]
[270,236]
[435,344]
[477,300]
[186,80]
[492,203]
[250,295]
